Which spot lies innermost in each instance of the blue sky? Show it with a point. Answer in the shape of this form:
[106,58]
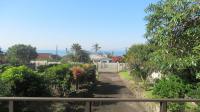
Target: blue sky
[114,24]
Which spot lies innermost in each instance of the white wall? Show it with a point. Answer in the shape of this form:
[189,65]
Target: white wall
[110,67]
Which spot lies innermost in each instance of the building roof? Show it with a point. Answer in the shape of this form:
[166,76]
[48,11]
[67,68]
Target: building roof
[44,56]
[96,57]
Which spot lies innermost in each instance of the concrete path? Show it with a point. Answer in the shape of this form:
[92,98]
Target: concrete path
[111,86]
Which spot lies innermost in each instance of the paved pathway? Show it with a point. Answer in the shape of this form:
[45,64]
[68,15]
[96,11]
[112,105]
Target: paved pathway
[110,85]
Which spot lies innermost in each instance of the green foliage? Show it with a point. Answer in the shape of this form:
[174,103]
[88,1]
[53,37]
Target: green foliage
[21,54]
[22,81]
[59,78]
[42,68]
[76,48]
[138,58]
[77,55]
[171,87]
[48,81]
[173,26]
[81,56]
[4,67]
[67,58]
[195,93]
[126,75]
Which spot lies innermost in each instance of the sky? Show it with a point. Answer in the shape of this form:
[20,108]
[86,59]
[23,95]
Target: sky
[113,24]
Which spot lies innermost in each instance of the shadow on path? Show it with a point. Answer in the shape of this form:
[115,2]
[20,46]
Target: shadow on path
[111,86]
[104,88]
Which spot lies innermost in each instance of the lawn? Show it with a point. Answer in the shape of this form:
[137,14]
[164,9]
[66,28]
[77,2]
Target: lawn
[126,75]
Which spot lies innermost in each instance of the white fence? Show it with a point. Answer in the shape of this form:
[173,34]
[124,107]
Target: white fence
[40,63]
[110,67]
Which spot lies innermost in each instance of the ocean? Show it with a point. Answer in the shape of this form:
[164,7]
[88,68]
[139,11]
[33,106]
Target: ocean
[63,52]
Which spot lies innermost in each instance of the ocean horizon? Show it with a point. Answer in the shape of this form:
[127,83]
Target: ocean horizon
[63,52]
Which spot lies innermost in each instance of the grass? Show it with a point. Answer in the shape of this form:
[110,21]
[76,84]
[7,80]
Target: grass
[148,94]
[126,75]
[192,107]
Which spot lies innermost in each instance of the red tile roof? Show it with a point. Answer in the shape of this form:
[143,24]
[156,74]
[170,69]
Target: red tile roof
[44,56]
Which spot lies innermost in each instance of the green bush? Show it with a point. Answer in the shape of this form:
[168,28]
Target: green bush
[59,77]
[171,87]
[138,58]
[195,93]
[3,67]
[22,81]
[42,68]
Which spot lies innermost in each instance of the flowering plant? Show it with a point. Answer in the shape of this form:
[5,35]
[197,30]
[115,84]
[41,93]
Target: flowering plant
[77,71]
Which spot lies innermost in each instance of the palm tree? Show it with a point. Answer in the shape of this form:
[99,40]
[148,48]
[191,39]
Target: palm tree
[76,48]
[96,47]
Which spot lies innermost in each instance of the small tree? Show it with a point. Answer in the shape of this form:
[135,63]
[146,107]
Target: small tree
[77,71]
[84,56]
[138,58]
[21,54]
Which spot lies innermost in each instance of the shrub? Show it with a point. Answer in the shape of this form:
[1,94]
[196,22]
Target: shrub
[59,78]
[171,87]
[195,93]
[77,73]
[22,81]
[83,74]
[42,68]
[3,67]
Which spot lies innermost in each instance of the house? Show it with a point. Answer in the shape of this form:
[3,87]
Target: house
[47,56]
[116,59]
[100,58]
[40,63]
[105,60]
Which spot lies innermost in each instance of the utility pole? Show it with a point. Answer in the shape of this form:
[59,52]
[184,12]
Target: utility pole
[1,55]
[126,51]
[66,51]
[112,53]
[56,52]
